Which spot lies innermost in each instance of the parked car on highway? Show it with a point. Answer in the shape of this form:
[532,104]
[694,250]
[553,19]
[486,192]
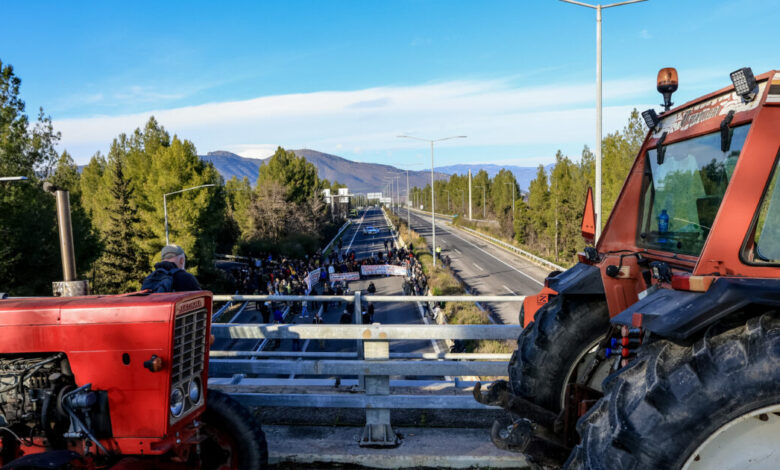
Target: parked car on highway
[370,230]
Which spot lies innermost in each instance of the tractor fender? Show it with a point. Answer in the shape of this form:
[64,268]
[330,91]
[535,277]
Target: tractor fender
[582,279]
[679,315]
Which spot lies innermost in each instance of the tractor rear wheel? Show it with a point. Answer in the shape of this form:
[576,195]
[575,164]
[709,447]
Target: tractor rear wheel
[234,439]
[715,404]
[564,333]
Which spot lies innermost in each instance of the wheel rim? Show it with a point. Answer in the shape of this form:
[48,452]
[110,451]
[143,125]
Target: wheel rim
[748,442]
[574,368]
[218,451]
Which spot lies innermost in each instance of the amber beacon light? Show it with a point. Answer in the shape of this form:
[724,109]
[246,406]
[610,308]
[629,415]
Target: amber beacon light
[667,84]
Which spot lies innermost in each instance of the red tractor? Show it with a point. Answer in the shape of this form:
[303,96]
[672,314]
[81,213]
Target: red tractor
[115,382]
[661,347]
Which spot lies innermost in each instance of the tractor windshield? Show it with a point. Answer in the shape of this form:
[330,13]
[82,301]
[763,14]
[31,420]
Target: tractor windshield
[683,190]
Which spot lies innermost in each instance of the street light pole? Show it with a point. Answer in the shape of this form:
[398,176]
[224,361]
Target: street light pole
[408,216]
[433,211]
[598,9]
[165,204]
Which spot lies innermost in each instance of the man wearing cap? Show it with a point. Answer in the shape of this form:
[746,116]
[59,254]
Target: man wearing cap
[173,262]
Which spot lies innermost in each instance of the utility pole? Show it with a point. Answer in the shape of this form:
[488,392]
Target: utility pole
[469,194]
[598,9]
[408,216]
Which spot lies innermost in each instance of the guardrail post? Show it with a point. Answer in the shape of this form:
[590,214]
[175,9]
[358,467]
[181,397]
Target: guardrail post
[378,431]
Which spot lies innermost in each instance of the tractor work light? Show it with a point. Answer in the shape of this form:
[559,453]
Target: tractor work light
[744,83]
[651,118]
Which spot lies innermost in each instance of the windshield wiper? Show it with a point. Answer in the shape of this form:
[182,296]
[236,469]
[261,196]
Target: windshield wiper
[726,132]
[660,150]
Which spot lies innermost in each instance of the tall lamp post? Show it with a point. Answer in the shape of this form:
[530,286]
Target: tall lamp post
[165,204]
[513,199]
[598,9]
[433,211]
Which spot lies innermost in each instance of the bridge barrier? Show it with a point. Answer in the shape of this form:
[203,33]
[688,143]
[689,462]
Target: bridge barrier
[372,362]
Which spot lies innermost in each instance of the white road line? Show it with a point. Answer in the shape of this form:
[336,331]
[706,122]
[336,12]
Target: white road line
[507,288]
[478,266]
[491,255]
[458,251]
[357,229]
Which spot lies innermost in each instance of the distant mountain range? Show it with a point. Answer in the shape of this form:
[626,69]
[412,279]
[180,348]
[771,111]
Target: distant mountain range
[358,176]
[523,174]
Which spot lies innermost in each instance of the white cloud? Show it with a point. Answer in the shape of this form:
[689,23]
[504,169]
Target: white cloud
[490,112]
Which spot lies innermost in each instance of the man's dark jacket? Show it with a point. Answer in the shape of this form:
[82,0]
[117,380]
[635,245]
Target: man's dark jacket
[182,280]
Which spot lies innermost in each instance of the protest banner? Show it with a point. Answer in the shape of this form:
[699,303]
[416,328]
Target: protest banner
[353,276]
[312,279]
[383,270]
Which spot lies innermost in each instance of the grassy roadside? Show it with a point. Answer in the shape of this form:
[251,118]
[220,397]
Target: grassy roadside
[492,231]
[442,282]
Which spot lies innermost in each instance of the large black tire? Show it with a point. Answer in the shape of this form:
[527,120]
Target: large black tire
[549,346]
[234,438]
[662,406]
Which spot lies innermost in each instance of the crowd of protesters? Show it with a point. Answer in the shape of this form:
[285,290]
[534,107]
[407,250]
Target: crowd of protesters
[276,275]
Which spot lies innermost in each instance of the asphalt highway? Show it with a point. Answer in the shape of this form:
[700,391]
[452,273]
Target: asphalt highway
[363,244]
[482,266]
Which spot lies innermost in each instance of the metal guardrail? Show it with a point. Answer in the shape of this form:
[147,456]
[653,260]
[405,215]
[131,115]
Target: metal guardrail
[446,216]
[338,234]
[371,298]
[515,249]
[372,362]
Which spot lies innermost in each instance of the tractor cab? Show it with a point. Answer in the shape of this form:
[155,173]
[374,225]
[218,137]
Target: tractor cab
[659,348]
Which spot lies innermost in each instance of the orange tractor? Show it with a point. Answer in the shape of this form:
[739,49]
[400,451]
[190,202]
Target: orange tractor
[661,348]
[117,382]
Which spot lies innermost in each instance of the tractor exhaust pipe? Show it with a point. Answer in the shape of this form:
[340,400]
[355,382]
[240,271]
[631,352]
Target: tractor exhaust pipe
[69,286]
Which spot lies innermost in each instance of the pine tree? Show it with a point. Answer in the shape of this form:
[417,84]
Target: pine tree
[120,268]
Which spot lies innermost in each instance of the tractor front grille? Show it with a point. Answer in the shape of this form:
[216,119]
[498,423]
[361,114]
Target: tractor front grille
[189,346]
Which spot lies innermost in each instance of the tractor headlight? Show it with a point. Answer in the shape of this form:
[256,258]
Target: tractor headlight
[193,390]
[177,402]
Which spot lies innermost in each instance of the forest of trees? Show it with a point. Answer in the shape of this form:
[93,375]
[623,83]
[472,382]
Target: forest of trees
[546,219]
[117,205]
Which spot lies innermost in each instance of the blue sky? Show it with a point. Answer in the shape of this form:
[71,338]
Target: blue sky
[345,77]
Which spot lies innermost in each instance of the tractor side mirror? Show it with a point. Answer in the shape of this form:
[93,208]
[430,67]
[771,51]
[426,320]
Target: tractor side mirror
[589,219]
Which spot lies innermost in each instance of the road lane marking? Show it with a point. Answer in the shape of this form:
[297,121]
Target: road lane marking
[458,251]
[357,229]
[491,255]
[478,266]
[510,290]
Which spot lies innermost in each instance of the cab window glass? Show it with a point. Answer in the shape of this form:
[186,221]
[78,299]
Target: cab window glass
[766,241]
[683,190]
